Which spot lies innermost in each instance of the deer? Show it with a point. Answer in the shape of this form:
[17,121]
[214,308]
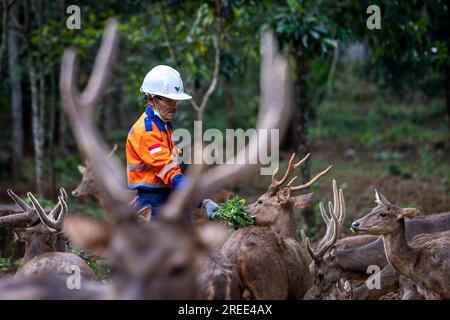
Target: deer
[88,187]
[46,245]
[268,256]
[350,257]
[426,262]
[156,260]
[326,247]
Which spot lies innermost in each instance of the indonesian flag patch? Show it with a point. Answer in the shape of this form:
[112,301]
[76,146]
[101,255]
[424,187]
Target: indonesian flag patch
[154,148]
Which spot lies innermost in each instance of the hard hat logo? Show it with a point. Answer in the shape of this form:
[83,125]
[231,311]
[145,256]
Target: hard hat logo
[166,82]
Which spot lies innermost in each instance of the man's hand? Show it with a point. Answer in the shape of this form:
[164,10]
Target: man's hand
[211,208]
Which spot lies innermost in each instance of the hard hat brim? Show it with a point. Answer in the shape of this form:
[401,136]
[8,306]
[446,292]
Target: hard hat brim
[176,96]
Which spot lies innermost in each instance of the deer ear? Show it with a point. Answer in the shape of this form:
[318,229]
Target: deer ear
[145,214]
[333,252]
[283,195]
[88,233]
[21,233]
[380,199]
[410,213]
[82,169]
[302,200]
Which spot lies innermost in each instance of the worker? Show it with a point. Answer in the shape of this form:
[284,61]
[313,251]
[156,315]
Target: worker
[150,150]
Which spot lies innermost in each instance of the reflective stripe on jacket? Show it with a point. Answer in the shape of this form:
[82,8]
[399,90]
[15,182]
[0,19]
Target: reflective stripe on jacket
[150,162]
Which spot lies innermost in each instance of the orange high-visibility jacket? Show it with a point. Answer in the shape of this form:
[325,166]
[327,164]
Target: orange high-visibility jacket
[150,161]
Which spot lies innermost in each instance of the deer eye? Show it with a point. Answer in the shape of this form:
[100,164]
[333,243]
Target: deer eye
[383,213]
[177,270]
[260,201]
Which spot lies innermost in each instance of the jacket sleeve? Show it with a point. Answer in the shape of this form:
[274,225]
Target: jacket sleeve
[158,157]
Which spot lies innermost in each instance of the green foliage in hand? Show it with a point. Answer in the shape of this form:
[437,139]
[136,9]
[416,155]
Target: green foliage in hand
[234,213]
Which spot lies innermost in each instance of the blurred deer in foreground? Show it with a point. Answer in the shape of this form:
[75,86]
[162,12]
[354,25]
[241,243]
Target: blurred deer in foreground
[268,255]
[46,245]
[350,257]
[216,276]
[426,262]
[157,260]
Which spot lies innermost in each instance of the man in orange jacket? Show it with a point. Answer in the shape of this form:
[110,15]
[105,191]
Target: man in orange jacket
[151,166]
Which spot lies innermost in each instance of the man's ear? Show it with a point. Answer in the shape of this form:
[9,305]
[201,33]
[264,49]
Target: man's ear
[21,233]
[302,201]
[283,195]
[410,213]
[88,233]
[82,169]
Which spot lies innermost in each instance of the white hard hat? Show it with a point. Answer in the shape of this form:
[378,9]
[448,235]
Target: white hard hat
[166,82]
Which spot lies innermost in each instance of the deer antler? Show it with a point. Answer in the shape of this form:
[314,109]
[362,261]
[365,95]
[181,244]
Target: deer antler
[54,214]
[80,109]
[27,216]
[290,169]
[46,219]
[334,224]
[113,150]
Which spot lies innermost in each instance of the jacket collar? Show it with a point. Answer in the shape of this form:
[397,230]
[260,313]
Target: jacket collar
[156,120]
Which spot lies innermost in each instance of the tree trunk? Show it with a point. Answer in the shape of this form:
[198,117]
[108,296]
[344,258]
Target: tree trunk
[62,122]
[447,92]
[230,103]
[36,124]
[51,135]
[16,101]
[4,30]
[301,129]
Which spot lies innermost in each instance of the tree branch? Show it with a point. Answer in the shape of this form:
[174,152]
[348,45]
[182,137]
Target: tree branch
[200,109]
[172,52]
[5,9]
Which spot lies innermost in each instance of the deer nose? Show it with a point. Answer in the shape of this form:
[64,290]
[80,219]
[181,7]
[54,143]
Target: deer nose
[355,224]
[74,193]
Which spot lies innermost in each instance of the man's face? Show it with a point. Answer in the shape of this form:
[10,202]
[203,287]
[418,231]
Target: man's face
[166,107]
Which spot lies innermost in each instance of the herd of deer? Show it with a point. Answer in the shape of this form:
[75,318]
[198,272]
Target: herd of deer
[171,258]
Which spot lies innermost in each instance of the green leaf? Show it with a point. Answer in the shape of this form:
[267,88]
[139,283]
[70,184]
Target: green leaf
[330,42]
[305,40]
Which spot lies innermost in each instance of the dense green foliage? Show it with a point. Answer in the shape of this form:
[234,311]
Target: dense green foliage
[234,213]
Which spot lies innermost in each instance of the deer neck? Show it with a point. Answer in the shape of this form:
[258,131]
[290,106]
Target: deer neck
[101,200]
[36,248]
[399,253]
[285,225]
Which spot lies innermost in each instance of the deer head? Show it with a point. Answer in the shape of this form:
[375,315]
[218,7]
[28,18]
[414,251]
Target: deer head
[156,260]
[324,268]
[44,236]
[267,209]
[384,218]
[87,186]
